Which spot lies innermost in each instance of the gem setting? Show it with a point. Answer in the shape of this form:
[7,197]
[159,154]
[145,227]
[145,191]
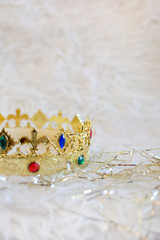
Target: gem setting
[3,142]
[80,160]
[6,142]
[34,167]
[62,141]
[91,133]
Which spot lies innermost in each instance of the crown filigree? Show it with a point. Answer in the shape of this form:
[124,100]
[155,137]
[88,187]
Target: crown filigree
[42,144]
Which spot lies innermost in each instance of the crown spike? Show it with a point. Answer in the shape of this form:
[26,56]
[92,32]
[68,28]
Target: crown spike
[59,119]
[18,117]
[1,119]
[39,119]
[87,124]
[77,124]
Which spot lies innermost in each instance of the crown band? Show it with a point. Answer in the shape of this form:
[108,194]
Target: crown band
[24,150]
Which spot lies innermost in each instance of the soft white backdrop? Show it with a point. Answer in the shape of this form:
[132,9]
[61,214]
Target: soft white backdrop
[100,58]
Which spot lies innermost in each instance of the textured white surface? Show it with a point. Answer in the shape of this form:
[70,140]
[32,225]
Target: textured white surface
[100,58]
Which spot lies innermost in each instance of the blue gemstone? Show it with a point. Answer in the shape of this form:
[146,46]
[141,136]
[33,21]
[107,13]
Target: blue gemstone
[62,141]
[81,160]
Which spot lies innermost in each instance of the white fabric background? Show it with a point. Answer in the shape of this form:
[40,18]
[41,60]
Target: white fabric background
[100,58]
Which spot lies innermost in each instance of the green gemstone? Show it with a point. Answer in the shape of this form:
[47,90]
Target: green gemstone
[3,142]
[81,160]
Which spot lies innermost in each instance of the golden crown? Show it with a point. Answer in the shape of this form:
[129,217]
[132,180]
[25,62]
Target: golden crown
[38,144]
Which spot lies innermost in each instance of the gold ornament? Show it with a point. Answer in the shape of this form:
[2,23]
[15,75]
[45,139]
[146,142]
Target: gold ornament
[45,150]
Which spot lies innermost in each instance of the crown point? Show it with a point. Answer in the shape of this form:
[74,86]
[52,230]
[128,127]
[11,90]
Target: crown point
[77,124]
[60,113]
[39,119]
[34,130]
[1,119]
[87,124]
[18,111]
[34,133]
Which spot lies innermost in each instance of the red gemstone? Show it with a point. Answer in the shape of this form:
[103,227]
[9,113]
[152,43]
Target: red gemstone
[33,167]
[91,133]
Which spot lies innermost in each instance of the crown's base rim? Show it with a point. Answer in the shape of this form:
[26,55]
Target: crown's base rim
[48,165]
